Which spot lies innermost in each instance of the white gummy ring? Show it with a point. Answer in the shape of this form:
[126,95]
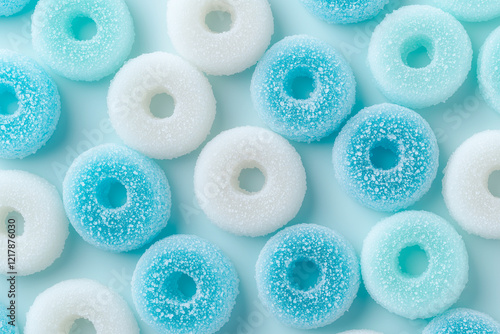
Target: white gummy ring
[223,53]
[45,222]
[130,96]
[56,309]
[465,185]
[236,210]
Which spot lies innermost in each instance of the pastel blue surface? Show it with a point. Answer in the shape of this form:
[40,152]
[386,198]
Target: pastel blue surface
[414,295]
[489,70]
[342,11]
[54,38]
[463,321]
[303,118]
[166,305]
[84,123]
[29,127]
[403,133]
[93,204]
[307,276]
[11,7]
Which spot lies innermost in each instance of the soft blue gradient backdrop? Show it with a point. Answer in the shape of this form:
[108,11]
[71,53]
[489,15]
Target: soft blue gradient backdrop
[84,116]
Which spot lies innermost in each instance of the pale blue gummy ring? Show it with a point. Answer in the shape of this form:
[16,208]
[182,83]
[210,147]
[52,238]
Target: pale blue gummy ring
[328,105]
[287,253]
[39,106]
[471,11]
[406,30]
[157,286]
[343,12]
[462,321]
[489,70]
[11,7]
[85,60]
[96,216]
[424,295]
[387,127]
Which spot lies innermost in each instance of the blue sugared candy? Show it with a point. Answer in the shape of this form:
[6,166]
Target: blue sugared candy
[342,11]
[380,184]
[5,326]
[160,286]
[29,127]
[92,189]
[11,7]
[463,321]
[413,294]
[489,70]
[55,28]
[284,109]
[286,269]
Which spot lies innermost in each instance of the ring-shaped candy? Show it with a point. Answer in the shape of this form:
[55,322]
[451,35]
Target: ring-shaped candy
[407,30]
[30,126]
[296,253]
[414,296]
[311,117]
[489,69]
[471,11]
[239,211]
[45,227]
[381,185]
[227,52]
[55,39]
[462,321]
[11,7]
[465,184]
[344,12]
[161,298]
[105,220]
[56,309]
[129,99]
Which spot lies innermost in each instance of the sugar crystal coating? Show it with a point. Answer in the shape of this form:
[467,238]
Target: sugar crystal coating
[325,109]
[489,69]
[45,222]
[406,30]
[335,288]
[234,209]
[96,218]
[472,11]
[84,60]
[164,306]
[26,130]
[396,129]
[222,53]
[465,184]
[129,100]
[414,296]
[11,7]
[56,309]
[5,327]
[463,321]
[342,11]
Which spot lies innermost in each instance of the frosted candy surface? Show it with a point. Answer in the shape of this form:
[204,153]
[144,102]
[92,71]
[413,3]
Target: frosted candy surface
[414,296]
[5,327]
[237,210]
[45,222]
[360,331]
[489,70]
[39,106]
[11,7]
[399,130]
[336,286]
[465,185]
[344,11]
[463,321]
[327,106]
[161,303]
[56,309]
[122,228]
[86,60]
[406,30]
[129,100]
[472,11]
[222,53]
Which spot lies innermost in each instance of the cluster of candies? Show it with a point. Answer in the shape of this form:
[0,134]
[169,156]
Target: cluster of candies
[136,222]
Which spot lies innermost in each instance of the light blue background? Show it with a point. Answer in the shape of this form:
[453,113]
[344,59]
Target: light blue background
[84,115]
